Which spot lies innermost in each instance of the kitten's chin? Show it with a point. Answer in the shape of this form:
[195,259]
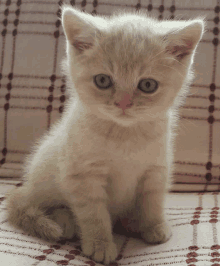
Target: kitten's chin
[125,122]
[126,119]
[121,119]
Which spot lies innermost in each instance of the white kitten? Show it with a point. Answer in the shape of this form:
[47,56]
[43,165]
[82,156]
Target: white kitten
[110,156]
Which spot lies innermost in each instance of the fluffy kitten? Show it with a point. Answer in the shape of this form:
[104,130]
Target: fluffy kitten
[110,155]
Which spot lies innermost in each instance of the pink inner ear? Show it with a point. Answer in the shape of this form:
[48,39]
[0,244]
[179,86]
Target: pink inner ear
[180,51]
[81,46]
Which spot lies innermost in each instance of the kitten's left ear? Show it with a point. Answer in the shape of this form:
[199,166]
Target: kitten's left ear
[183,42]
[80,28]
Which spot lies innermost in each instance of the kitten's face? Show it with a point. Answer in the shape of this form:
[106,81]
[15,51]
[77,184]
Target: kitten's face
[127,79]
[127,75]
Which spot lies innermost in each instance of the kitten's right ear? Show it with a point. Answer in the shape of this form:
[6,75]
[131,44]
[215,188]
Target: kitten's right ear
[182,42]
[79,28]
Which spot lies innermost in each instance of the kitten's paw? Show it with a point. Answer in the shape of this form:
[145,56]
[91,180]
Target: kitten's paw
[158,234]
[64,218]
[99,250]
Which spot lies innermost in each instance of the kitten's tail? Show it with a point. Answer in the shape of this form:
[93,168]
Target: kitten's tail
[29,217]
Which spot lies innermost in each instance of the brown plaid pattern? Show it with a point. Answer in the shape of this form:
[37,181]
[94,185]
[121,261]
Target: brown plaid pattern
[32,97]
[194,218]
[32,88]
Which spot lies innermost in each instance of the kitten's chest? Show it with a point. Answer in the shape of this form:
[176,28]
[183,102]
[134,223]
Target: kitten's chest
[128,165]
[123,181]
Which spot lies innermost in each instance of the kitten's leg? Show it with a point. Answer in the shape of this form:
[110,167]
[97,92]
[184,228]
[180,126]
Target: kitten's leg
[27,205]
[24,212]
[28,208]
[88,199]
[65,219]
[153,225]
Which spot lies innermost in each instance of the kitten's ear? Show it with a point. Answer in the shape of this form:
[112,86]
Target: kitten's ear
[79,28]
[183,42]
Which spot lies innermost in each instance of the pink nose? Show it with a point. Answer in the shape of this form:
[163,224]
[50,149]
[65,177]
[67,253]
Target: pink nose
[125,103]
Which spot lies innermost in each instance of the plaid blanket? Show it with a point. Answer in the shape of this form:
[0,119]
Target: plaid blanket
[32,97]
[194,218]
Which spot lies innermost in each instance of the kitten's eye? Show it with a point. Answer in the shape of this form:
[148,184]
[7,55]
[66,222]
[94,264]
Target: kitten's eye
[102,81]
[148,85]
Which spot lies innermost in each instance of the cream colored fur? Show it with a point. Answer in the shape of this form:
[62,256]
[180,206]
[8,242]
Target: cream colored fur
[96,165]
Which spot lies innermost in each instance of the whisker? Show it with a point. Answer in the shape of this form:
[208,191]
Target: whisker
[170,58]
[190,93]
[150,59]
[156,74]
[176,61]
[173,69]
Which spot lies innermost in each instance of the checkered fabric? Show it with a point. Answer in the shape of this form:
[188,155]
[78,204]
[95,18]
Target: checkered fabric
[33,95]
[194,218]
[32,88]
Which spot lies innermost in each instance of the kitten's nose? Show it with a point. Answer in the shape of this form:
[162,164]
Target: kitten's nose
[125,103]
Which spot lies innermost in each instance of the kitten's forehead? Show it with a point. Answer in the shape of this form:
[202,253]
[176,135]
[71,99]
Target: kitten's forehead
[131,31]
[129,48]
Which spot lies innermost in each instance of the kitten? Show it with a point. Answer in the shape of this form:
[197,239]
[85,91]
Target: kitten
[109,157]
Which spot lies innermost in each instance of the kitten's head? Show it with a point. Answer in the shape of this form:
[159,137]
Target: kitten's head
[128,67]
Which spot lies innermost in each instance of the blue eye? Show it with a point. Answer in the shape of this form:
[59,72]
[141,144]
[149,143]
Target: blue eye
[148,85]
[102,81]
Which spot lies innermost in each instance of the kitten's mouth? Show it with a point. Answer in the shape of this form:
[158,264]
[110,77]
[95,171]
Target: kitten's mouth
[125,115]
[125,119]
[119,116]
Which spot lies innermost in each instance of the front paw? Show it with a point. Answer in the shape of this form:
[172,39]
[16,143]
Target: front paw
[157,234]
[99,250]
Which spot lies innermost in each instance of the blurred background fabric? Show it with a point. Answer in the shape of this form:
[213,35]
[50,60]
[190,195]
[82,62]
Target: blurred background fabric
[33,90]
[33,96]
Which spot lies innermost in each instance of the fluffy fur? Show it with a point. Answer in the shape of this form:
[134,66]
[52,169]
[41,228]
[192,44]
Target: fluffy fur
[109,158]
